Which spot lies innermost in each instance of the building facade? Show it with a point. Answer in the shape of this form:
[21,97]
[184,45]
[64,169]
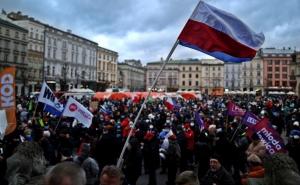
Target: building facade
[35,52]
[131,75]
[246,76]
[168,79]
[107,66]
[212,76]
[277,72]
[295,68]
[189,75]
[70,60]
[13,52]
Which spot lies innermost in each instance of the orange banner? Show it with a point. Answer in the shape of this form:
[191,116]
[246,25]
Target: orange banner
[8,98]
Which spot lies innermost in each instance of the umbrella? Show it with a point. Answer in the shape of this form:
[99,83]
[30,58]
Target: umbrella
[118,96]
[188,95]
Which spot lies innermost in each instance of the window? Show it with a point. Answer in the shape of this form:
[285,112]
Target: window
[49,51]
[213,68]
[258,73]
[64,44]
[42,37]
[16,58]
[36,36]
[190,68]
[258,82]
[183,83]
[190,75]
[197,76]
[284,83]
[219,68]
[7,32]
[183,69]
[48,70]
[277,62]
[190,83]
[183,75]
[54,53]
[277,83]
[5,57]
[23,59]
[284,62]
[269,75]
[277,69]
[71,72]
[31,34]
[53,71]
[269,83]
[17,35]
[258,66]
[277,75]
[269,62]
[197,83]
[270,68]
[197,69]
[284,69]
[284,76]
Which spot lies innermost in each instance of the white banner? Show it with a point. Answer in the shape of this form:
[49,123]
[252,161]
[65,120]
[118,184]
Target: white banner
[47,97]
[3,123]
[76,110]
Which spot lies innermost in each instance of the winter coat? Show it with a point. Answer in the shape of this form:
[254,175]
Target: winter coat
[91,168]
[254,172]
[220,177]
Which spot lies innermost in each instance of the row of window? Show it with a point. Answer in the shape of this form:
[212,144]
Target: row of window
[8,33]
[16,58]
[284,76]
[277,62]
[277,83]
[277,69]
[239,84]
[73,73]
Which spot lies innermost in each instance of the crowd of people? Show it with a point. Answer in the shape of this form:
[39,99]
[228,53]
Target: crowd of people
[45,149]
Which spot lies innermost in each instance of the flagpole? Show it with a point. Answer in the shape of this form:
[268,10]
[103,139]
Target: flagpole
[57,123]
[236,130]
[120,160]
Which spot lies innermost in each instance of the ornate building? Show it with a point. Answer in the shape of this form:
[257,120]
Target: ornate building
[35,52]
[107,66]
[70,60]
[246,76]
[131,75]
[13,52]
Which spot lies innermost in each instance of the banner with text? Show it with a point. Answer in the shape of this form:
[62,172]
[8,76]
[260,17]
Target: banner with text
[269,136]
[8,98]
[234,110]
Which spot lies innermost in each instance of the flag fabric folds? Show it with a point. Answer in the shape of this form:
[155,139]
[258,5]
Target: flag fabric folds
[198,120]
[234,110]
[52,105]
[78,111]
[220,34]
[8,98]
[170,103]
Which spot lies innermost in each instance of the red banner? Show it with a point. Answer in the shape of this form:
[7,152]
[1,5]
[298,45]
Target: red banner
[8,98]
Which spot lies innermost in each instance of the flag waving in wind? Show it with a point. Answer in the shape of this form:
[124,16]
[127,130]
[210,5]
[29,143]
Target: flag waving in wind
[198,120]
[220,34]
[52,104]
[78,111]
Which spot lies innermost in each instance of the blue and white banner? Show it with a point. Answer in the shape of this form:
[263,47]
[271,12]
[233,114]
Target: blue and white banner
[52,105]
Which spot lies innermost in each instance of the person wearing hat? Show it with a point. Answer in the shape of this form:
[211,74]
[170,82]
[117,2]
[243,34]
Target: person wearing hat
[216,174]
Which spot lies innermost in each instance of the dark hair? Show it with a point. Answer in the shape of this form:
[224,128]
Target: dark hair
[112,171]
[187,177]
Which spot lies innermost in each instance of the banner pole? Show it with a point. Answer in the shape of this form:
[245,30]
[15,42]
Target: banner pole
[57,123]
[120,160]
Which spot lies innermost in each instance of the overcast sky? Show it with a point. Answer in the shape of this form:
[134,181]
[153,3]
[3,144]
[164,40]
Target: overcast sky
[147,29]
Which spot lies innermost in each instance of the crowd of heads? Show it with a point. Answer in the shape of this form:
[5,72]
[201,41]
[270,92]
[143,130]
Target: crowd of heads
[213,147]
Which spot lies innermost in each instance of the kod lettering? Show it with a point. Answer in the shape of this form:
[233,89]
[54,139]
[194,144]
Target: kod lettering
[7,90]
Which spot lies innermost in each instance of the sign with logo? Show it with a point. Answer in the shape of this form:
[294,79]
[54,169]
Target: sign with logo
[78,111]
[7,97]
